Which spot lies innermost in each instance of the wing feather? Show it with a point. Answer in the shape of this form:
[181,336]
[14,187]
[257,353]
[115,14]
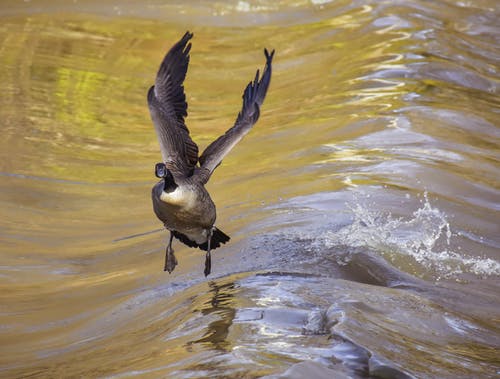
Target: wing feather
[253,97]
[168,108]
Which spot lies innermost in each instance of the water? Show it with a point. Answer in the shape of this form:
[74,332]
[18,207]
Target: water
[363,207]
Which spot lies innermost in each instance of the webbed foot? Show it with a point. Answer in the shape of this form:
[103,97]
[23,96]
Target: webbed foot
[208,264]
[170,260]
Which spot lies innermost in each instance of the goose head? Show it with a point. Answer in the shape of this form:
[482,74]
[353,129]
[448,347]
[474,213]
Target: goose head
[162,172]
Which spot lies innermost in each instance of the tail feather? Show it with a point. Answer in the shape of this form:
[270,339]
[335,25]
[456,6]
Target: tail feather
[218,238]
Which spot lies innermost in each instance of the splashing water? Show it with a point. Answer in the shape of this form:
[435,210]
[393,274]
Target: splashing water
[425,237]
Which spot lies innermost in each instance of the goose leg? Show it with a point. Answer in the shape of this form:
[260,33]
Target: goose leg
[208,259]
[170,260]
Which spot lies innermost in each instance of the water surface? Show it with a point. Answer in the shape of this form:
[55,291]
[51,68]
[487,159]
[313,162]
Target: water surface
[363,207]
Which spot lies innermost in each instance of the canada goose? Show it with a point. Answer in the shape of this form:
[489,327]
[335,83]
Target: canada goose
[180,199]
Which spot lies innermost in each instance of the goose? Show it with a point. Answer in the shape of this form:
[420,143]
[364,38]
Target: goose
[180,199]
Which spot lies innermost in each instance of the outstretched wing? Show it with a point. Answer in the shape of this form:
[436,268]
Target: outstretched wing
[168,107]
[253,97]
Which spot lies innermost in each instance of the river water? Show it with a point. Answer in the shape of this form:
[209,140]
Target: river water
[363,207]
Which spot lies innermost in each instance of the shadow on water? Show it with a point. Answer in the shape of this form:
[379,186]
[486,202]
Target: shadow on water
[220,305]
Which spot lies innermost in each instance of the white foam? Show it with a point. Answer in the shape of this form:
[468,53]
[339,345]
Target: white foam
[416,236]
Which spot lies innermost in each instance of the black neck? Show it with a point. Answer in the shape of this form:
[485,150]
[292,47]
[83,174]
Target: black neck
[169,184]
